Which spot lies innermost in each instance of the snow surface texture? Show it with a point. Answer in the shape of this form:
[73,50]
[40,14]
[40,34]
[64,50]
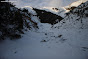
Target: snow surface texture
[67,41]
[47,43]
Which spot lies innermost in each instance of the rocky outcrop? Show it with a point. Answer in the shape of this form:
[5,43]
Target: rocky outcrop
[78,17]
[13,21]
[81,10]
[47,17]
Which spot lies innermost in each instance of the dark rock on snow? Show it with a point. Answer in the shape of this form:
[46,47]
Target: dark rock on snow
[13,21]
[47,17]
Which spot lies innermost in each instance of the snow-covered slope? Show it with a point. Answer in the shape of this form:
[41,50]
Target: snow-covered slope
[67,39]
[14,20]
[76,18]
[77,3]
[47,44]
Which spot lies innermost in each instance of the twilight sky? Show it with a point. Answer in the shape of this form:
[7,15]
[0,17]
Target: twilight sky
[43,3]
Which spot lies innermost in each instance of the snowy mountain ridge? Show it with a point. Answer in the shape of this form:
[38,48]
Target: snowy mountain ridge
[68,39]
[13,21]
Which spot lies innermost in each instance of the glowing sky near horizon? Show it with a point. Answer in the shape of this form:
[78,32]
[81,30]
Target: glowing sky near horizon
[43,3]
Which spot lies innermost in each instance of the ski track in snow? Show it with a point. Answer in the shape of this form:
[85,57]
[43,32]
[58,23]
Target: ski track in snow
[30,46]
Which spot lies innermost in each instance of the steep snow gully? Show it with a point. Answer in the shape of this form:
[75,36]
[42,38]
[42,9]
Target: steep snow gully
[67,41]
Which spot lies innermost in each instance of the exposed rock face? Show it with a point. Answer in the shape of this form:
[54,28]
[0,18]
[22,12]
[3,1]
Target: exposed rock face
[71,8]
[13,20]
[81,10]
[47,17]
[78,17]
